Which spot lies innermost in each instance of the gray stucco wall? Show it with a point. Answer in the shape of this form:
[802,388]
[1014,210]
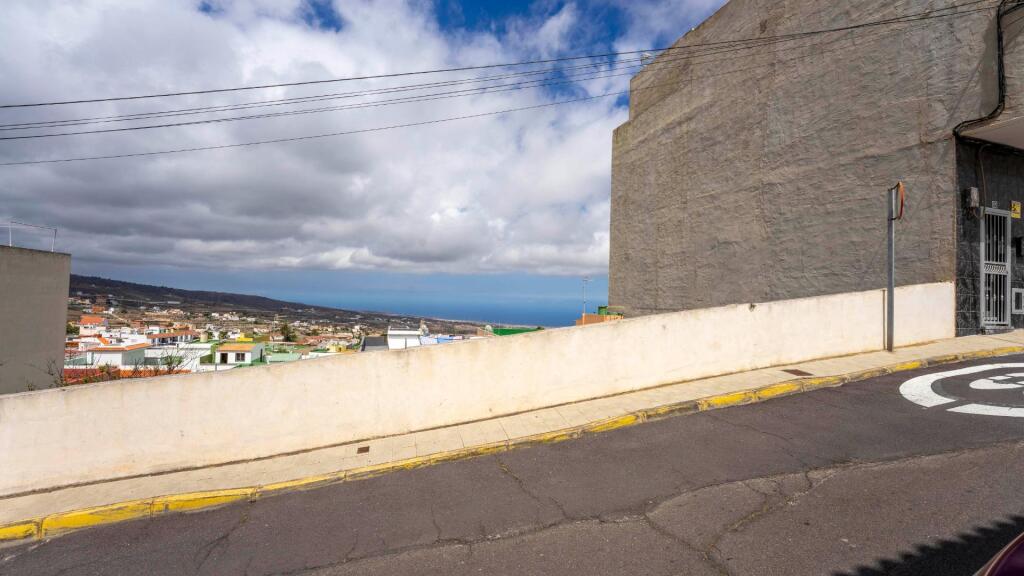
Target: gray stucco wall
[755,175]
[998,173]
[1013,61]
[33,316]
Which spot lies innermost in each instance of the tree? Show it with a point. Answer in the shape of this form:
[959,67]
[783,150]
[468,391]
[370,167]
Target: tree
[287,333]
[71,329]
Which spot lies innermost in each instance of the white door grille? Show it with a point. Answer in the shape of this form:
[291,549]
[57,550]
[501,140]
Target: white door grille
[995,268]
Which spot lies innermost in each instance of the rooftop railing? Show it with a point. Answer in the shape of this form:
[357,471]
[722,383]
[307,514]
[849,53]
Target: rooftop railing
[12,224]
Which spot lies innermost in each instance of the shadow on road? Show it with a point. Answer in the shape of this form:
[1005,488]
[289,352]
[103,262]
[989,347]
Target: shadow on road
[962,555]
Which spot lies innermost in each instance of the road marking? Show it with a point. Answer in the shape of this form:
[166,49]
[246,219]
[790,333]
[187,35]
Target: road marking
[988,384]
[990,410]
[921,390]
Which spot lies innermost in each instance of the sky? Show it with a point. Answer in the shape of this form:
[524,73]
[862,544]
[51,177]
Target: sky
[496,218]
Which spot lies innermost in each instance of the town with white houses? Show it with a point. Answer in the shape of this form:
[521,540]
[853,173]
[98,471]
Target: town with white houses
[109,339]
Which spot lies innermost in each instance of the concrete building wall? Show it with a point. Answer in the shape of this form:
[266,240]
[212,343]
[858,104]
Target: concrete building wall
[998,174]
[139,426]
[756,175]
[33,317]
[1013,61]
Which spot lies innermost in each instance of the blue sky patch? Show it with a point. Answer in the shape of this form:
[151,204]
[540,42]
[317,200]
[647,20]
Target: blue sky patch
[210,7]
[321,14]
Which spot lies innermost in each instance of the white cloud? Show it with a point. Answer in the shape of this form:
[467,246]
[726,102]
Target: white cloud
[520,192]
[659,24]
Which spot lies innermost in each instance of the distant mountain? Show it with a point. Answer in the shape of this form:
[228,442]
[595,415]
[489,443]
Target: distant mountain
[144,294]
[130,294]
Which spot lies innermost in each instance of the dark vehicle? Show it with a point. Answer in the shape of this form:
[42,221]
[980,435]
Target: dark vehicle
[1009,561]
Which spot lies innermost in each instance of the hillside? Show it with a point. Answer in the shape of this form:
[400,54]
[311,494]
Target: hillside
[134,294]
[130,294]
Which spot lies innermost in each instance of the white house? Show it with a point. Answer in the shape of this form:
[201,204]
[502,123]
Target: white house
[172,337]
[185,356]
[239,353]
[401,338]
[125,356]
[91,325]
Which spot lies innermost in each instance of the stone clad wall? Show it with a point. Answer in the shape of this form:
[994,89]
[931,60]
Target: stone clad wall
[746,175]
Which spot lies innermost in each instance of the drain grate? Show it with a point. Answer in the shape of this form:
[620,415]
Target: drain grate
[362,450]
[797,372]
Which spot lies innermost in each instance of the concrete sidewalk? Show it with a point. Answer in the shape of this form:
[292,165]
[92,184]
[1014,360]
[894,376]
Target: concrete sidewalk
[52,512]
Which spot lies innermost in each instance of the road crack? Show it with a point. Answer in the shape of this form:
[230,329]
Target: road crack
[529,493]
[787,443]
[209,548]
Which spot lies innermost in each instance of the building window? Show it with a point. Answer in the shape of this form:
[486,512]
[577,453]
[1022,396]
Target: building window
[239,356]
[1018,300]
[223,357]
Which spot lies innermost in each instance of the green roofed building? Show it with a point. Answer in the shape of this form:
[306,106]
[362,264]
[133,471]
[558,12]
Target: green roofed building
[511,331]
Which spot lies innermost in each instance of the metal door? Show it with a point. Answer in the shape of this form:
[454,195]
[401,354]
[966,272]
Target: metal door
[995,269]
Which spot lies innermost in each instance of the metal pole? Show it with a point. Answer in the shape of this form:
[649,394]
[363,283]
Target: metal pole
[890,296]
[10,233]
[584,317]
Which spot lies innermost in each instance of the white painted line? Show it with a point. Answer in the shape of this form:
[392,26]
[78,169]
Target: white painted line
[988,384]
[920,390]
[988,410]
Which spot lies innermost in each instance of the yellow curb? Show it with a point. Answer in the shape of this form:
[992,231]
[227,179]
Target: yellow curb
[19,531]
[300,483]
[688,406]
[67,521]
[724,400]
[457,454]
[545,437]
[198,500]
[776,390]
[994,352]
[944,359]
[56,524]
[904,366]
[486,449]
[827,381]
[370,471]
[411,463]
[613,423]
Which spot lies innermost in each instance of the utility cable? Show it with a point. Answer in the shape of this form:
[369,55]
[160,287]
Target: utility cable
[411,99]
[491,66]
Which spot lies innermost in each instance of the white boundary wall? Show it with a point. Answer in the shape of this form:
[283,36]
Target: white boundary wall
[85,433]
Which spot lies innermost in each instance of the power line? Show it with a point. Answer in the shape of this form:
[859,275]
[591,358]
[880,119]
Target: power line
[283,101]
[374,129]
[489,66]
[405,100]
[420,98]
[330,96]
[317,136]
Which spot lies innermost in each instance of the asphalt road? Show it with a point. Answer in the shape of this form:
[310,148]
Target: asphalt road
[856,480]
